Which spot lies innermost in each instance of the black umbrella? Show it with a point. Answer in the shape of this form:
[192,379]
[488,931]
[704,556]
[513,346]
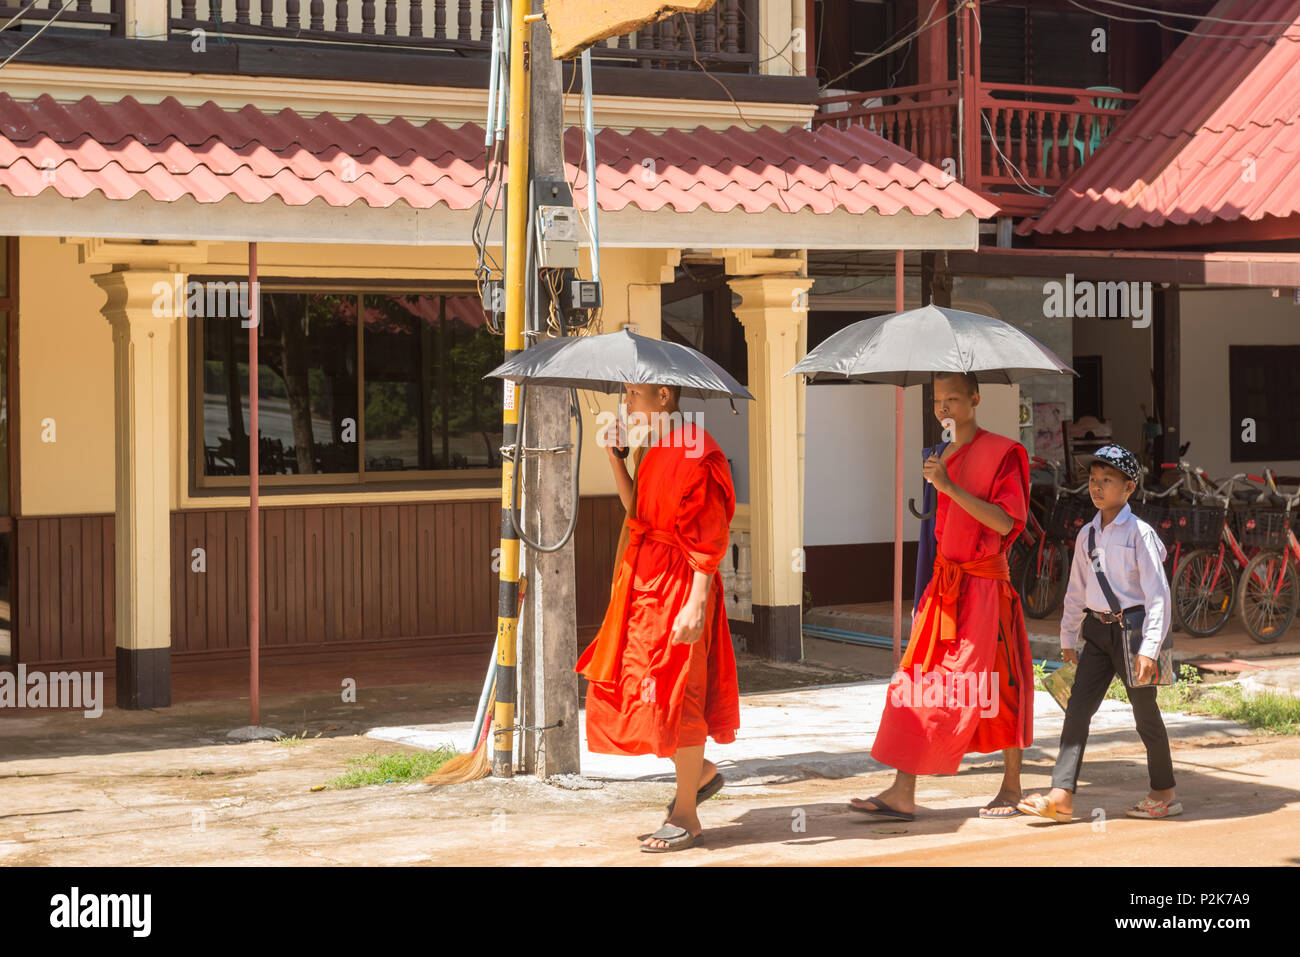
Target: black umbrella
[905,348]
[603,363]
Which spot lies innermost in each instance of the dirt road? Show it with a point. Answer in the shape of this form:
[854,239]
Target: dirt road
[178,794]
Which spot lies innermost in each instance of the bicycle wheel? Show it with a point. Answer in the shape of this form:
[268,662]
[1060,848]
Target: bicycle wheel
[1042,584]
[1270,593]
[1203,600]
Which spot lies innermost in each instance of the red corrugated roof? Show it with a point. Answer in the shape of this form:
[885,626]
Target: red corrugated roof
[168,150]
[1215,136]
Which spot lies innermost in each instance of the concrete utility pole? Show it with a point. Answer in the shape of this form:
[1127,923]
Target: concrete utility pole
[549,644]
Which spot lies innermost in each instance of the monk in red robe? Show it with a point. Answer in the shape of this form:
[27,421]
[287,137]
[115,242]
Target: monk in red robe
[661,671]
[966,683]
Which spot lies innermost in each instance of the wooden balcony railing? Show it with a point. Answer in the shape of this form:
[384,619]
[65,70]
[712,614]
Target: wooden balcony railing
[725,38]
[99,15]
[1025,139]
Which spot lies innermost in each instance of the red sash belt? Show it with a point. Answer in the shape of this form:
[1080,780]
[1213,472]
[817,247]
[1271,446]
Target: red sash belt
[600,661]
[939,622]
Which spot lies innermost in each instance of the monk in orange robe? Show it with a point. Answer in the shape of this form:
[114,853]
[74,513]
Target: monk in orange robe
[661,671]
[966,683]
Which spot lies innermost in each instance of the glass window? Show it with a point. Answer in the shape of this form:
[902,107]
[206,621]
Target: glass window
[425,405]
[307,388]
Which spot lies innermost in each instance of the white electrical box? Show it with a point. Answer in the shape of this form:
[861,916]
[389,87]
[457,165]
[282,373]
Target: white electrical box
[560,232]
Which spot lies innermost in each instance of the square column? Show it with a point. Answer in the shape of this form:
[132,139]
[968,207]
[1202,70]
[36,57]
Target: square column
[774,313]
[142,318]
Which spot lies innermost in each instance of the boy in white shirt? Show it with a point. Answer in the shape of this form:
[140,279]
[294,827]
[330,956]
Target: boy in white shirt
[1132,560]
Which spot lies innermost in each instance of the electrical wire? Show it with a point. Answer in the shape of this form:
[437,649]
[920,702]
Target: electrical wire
[45,26]
[900,43]
[18,16]
[1201,17]
[1196,32]
[1015,170]
[703,69]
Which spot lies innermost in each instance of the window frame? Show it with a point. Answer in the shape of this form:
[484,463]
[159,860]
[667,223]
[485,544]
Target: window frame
[360,480]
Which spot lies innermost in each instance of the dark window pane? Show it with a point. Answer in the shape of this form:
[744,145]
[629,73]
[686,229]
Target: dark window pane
[427,403]
[307,388]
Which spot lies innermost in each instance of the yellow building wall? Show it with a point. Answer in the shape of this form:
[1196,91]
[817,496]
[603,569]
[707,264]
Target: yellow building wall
[65,374]
[65,357]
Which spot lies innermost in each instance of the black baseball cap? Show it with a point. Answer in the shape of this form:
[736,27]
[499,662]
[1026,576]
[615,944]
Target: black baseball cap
[1117,457]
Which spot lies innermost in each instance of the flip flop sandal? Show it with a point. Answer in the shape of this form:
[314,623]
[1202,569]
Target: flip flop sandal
[882,809]
[985,816]
[1040,805]
[703,794]
[1147,808]
[677,838]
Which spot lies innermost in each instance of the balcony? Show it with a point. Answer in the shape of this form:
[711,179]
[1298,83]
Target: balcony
[433,42]
[1016,147]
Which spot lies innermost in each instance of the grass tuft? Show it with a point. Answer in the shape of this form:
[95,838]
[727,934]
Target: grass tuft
[395,768]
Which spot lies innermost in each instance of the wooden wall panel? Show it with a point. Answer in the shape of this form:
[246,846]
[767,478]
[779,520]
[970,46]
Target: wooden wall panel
[330,574]
[63,588]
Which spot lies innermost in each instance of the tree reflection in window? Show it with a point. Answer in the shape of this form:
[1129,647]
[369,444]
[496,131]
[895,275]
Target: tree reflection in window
[426,404]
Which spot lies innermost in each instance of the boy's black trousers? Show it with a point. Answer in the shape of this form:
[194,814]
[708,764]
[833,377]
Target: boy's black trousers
[1100,659]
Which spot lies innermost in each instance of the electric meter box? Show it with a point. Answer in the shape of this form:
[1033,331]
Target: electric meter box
[560,231]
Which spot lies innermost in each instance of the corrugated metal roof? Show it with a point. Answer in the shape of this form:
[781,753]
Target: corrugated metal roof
[1215,135]
[168,151]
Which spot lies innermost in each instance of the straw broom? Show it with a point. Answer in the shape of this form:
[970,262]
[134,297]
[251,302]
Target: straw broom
[475,764]
[471,766]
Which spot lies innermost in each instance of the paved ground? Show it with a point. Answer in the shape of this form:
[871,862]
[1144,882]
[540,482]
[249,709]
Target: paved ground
[877,618]
[166,788]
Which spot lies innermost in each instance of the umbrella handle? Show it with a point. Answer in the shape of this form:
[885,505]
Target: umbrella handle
[621,451]
[911,507]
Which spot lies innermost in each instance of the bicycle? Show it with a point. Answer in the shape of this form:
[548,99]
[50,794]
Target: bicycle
[1270,585]
[1204,585]
[1044,561]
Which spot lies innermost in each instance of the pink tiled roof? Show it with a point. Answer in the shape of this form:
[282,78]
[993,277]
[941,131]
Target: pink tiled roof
[169,151]
[1214,137]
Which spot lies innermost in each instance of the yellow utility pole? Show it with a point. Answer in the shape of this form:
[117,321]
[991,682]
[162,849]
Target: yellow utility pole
[515,269]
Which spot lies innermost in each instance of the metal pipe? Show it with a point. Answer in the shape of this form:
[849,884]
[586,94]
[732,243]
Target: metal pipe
[589,133]
[898,480]
[503,89]
[489,128]
[254,552]
[516,276]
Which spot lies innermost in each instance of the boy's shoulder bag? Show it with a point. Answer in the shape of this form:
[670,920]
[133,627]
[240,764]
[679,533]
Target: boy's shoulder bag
[1130,622]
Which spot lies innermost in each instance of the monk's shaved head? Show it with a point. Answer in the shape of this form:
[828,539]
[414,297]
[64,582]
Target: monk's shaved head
[968,379]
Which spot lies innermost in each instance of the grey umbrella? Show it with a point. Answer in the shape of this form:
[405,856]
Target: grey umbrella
[904,348]
[603,363]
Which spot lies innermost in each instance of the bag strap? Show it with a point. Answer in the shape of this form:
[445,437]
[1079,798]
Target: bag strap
[1101,576]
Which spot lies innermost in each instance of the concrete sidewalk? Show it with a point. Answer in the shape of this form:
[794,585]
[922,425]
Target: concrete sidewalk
[877,618]
[826,732]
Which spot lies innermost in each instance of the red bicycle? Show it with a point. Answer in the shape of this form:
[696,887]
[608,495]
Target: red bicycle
[1204,584]
[1270,585]
[1040,558]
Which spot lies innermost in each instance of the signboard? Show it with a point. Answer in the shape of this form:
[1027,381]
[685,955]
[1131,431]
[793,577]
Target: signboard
[577,24]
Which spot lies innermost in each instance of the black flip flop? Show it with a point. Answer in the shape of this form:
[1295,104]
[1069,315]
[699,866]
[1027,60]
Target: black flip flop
[999,817]
[883,810]
[703,794]
[677,838]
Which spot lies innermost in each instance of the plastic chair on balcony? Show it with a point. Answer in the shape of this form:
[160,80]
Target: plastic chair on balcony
[1101,128]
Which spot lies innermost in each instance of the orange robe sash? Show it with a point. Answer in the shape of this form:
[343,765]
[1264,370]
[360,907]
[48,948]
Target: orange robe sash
[939,621]
[600,662]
